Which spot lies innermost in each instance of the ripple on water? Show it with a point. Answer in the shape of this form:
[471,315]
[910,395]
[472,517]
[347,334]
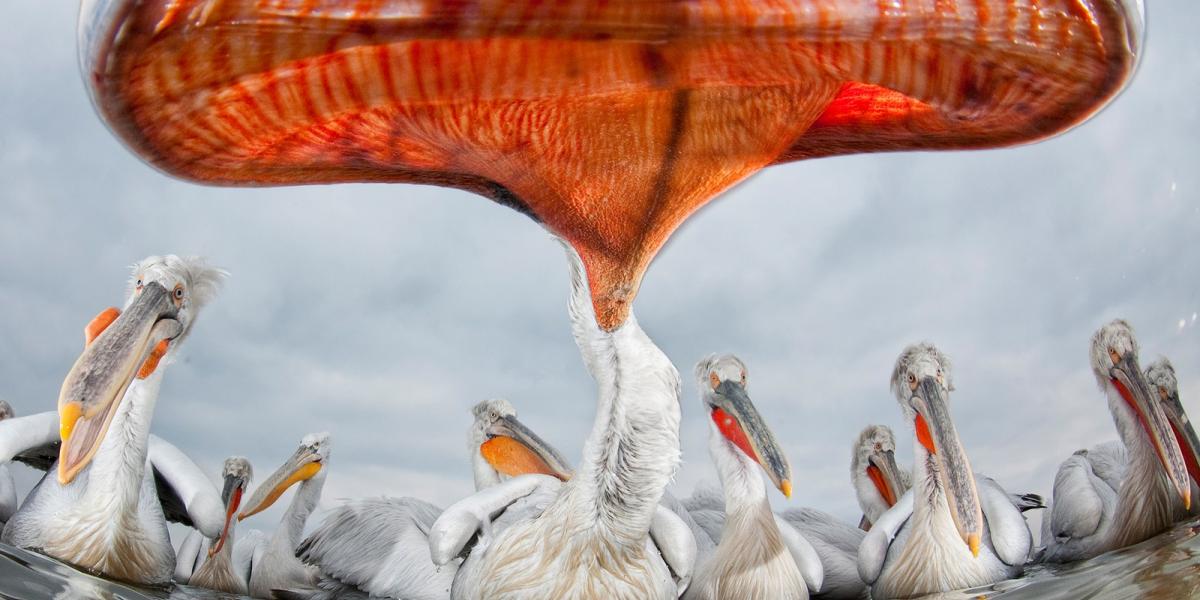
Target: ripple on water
[1166,566]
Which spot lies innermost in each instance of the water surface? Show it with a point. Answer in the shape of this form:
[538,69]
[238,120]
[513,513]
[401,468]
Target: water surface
[1166,566]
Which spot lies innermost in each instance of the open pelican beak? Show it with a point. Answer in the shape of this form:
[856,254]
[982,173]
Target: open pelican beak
[231,495]
[935,431]
[1185,436]
[96,383]
[513,449]
[883,472]
[302,466]
[740,423]
[1129,382]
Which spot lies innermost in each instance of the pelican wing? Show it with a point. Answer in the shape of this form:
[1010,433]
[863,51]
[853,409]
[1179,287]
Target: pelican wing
[8,494]
[247,551]
[459,523]
[676,543]
[380,546]
[29,436]
[874,548]
[837,545]
[1080,500]
[187,495]
[187,557]
[1108,462]
[806,557]
[707,509]
[1006,525]
[704,543]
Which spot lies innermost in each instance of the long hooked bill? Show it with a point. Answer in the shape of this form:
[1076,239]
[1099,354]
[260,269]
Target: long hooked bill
[1185,436]
[883,472]
[1127,378]
[738,420]
[96,383]
[935,431]
[514,449]
[302,466]
[231,495]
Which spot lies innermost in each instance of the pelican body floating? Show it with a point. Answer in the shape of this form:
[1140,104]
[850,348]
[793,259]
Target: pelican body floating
[609,122]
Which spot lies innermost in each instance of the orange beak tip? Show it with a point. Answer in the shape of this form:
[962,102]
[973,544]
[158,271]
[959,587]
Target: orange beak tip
[1187,499]
[973,542]
[786,488]
[68,415]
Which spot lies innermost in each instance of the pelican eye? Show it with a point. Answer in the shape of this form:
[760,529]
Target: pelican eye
[714,380]
[1114,355]
[179,292]
[743,378]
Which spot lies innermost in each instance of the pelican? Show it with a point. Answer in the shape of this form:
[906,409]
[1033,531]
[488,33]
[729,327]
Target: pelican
[756,556]
[212,566]
[1161,377]
[273,563]
[878,482]
[380,546]
[588,537]
[8,488]
[99,508]
[953,529]
[1118,494]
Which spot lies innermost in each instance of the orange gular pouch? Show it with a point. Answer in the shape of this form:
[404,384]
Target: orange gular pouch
[885,490]
[923,435]
[608,121]
[151,362]
[98,324]
[732,430]
[513,458]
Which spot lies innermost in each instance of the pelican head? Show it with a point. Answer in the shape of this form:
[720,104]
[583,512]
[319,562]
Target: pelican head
[922,384]
[165,295]
[1114,357]
[306,463]
[6,410]
[877,479]
[1161,377]
[237,474]
[722,384]
[508,446]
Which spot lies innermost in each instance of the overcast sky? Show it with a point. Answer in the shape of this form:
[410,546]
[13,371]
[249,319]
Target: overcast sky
[382,313]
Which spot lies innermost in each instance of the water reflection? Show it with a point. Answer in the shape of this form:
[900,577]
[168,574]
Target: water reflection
[1164,567]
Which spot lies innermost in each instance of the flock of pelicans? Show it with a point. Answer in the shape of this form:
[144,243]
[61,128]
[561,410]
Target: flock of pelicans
[536,528]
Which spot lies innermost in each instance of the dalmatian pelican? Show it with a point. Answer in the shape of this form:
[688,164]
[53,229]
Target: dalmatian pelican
[380,546]
[756,555]
[1161,377]
[212,565]
[272,561]
[878,481]
[588,537]
[98,508]
[746,561]
[954,529]
[1119,493]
